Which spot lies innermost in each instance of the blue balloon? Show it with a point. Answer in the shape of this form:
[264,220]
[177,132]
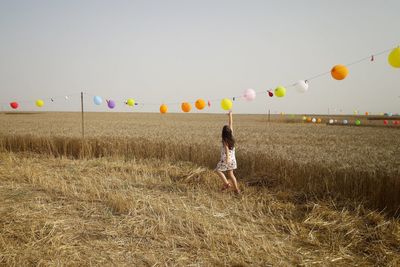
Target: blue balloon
[97,100]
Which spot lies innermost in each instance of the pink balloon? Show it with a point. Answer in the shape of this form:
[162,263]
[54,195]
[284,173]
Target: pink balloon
[249,94]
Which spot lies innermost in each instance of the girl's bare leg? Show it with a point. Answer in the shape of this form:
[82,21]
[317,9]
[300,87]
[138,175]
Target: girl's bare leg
[222,175]
[235,184]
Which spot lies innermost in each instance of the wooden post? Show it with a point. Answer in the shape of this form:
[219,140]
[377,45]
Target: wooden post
[269,115]
[83,128]
[83,119]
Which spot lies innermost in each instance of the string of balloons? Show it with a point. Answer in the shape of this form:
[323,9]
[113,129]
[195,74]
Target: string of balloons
[338,72]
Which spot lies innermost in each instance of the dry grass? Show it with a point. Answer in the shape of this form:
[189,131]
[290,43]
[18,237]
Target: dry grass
[318,160]
[119,211]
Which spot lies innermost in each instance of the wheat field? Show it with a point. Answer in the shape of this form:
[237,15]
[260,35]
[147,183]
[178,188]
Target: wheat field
[140,190]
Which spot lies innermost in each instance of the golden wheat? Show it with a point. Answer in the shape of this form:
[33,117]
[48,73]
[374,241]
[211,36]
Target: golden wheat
[109,211]
[341,162]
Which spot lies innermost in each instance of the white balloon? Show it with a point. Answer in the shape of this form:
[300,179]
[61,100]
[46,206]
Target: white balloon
[302,86]
[330,121]
[344,121]
[314,120]
[249,94]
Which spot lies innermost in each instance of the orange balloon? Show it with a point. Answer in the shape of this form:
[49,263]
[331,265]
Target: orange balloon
[308,119]
[200,104]
[186,107]
[339,72]
[163,109]
[366,113]
[319,120]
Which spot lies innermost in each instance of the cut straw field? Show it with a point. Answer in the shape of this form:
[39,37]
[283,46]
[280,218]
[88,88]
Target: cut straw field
[359,163]
[112,211]
[139,190]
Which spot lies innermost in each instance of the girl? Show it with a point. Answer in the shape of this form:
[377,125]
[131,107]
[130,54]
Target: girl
[228,160]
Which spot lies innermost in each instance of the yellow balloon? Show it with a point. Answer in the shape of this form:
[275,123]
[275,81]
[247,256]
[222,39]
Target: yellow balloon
[226,104]
[280,91]
[39,103]
[130,102]
[394,58]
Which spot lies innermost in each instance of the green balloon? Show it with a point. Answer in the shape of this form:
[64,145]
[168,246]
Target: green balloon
[280,91]
[358,122]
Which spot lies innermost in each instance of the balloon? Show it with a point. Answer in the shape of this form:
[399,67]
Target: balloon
[186,107]
[270,94]
[314,120]
[163,109]
[226,104]
[249,94]
[358,122]
[366,113]
[200,104]
[111,104]
[304,118]
[280,91]
[345,121]
[335,121]
[39,103]
[319,120]
[302,86]
[97,100]
[308,119]
[130,102]
[209,103]
[330,121]
[339,72]
[394,58]
[66,97]
[14,105]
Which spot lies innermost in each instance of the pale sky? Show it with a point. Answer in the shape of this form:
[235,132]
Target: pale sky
[175,51]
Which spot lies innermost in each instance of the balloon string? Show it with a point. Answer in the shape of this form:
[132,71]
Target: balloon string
[371,58]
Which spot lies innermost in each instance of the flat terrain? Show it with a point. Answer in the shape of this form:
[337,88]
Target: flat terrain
[371,148]
[140,190]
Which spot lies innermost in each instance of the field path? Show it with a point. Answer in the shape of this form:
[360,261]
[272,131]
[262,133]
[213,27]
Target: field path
[56,211]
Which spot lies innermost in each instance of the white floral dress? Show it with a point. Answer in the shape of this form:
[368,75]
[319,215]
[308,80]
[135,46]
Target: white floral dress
[231,165]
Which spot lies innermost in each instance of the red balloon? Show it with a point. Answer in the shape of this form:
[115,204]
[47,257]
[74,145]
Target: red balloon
[14,105]
[385,122]
[270,94]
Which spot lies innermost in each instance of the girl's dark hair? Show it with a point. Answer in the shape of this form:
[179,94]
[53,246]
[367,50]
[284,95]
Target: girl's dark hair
[227,137]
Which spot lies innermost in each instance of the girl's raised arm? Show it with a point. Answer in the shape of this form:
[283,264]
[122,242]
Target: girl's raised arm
[230,120]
